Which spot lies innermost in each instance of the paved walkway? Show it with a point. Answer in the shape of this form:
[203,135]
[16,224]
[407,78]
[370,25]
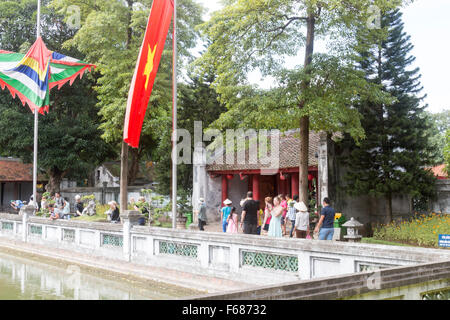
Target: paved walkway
[216,226]
[139,272]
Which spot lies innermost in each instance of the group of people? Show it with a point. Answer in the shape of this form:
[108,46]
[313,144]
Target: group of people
[274,219]
[271,221]
[57,206]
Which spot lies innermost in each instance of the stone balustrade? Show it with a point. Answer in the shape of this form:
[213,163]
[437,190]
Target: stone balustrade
[430,281]
[247,258]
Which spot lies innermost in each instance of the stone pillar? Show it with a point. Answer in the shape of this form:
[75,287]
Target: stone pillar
[250,182]
[129,218]
[323,167]
[26,211]
[255,186]
[304,260]
[287,186]
[278,182]
[294,184]
[235,258]
[104,192]
[224,187]
[282,185]
[199,178]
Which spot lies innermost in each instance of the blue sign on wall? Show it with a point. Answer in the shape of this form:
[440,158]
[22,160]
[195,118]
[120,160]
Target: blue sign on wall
[444,240]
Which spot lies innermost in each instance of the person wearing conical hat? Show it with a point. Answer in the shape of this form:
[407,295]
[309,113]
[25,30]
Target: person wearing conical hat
[224,213]
[301,220]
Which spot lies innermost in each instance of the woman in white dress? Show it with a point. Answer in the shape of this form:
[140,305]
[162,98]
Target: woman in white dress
[275,221]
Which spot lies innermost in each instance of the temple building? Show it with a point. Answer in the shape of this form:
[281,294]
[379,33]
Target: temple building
[216,182]
[220,174]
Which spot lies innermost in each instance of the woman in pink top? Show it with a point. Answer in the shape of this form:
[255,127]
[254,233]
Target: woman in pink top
[283,217]
[267,215]
[232,221]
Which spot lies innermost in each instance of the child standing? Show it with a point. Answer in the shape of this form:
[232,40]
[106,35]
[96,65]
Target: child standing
[232,221]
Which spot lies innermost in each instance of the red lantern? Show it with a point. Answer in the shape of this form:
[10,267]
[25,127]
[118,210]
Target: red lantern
[282,177]
[229,176]
[310,177]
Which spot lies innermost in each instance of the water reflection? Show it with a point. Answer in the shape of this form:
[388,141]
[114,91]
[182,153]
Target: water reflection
[24,279]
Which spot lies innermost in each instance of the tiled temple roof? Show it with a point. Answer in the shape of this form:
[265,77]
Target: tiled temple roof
[14,170]
[289,154]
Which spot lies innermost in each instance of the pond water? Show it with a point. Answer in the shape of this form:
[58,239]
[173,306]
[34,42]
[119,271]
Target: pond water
[31,278]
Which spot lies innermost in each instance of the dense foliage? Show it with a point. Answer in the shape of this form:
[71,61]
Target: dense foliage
[392,158]
[440,124]
[249,35]
[110,35]
[447,152]
[197,101]
[69,142]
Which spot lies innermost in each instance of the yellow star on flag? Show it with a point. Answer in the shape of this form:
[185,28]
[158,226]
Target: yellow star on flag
[149,66]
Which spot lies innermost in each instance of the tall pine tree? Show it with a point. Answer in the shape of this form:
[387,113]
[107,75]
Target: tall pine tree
[392,158]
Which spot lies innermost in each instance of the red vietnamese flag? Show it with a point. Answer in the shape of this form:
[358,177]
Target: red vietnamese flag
[146,69]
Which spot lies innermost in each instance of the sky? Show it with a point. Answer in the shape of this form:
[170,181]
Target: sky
[428,24]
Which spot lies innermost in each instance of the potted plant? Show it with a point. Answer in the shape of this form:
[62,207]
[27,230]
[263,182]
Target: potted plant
[184,208]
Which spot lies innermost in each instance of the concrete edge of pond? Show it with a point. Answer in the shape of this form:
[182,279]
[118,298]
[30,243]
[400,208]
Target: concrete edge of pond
[134,272]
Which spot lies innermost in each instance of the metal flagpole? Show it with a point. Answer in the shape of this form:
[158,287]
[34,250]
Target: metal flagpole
[38,34]
[174,119]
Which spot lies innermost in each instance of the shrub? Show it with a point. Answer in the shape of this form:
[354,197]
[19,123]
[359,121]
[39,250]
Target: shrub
[88,198]
[422,230]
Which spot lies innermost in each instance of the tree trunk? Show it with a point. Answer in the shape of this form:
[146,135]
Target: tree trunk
[54,182]
[303,166]
[134,169]
[304,121]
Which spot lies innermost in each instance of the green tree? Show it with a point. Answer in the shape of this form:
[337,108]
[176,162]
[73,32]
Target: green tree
[440,123]
[447,152]
[111,34]
[17,25]
[257,34]
[392,158]
[69,143]
[197,101]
